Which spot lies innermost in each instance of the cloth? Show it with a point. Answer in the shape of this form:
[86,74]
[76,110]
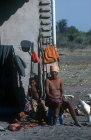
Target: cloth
[53,103]
[34,104]
[6,56]
[5,52]
[35,58]
[54,68]
[6,73]
[20,65]
[50,54]
[21,126]
[47,66]
[11,94]
[27,106]
[37,104]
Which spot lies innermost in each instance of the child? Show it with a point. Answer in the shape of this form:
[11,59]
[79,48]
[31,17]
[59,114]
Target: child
[33,94]
[38,106]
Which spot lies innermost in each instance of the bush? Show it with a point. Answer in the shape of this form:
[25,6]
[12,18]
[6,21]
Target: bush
[71,37]
[78,40]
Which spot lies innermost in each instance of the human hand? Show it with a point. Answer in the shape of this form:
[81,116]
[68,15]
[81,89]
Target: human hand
[58,99]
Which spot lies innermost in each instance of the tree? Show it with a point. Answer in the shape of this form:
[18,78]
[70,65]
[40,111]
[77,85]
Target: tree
[62,26]
[88,33]
[72,30]
[72,33]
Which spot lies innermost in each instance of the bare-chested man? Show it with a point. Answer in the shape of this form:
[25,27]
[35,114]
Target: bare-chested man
[55,95]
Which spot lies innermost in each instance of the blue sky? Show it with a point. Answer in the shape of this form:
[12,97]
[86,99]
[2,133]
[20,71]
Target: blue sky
[77,13]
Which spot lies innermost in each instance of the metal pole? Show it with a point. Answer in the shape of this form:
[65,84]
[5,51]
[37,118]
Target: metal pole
[53,21]
[40,71]
[32,65]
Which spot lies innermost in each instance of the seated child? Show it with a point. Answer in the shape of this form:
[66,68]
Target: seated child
[33,94]
[38,106]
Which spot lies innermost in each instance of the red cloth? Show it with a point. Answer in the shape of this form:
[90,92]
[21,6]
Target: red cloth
[35,58]
[21,126]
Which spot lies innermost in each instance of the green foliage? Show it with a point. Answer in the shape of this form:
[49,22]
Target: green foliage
[79,40]
[88,33]
[72,30]
[62,26]
[71,37]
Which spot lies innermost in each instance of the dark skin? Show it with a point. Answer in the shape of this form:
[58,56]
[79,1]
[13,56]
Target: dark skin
[54,87]
[55,90]
[33,92]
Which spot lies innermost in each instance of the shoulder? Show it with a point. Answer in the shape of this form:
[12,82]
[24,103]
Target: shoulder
[47,80]
[60,79]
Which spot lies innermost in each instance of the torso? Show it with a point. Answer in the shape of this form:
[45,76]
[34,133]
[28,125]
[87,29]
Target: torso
[54,87]
[34,93]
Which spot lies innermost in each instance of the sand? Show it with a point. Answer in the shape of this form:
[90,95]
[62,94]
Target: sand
[67,131]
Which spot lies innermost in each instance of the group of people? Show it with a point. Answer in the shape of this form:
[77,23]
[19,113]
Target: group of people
[55,99]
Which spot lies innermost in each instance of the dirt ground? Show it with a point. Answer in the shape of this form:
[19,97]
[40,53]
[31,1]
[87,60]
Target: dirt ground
[63,132]
[77,82]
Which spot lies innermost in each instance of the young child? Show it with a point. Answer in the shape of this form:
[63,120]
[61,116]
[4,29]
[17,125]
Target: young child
[38,106]
[33,94]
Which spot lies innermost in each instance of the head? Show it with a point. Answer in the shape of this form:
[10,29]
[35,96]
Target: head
[32,82]
[54,71]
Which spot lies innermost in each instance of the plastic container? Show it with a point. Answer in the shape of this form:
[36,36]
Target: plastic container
[61,117]
[89,118]
[51,118]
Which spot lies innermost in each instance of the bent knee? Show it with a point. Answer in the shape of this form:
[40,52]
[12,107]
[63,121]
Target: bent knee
[67,104]
[58,104]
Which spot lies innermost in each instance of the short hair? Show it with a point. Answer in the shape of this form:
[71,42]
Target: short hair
[31,79]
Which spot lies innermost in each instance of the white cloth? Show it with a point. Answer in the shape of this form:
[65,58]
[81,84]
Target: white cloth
[47,66]
[54,68]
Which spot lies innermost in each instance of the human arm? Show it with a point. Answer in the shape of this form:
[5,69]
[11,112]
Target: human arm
[29,94]
[33,93]
[61,88]
[47,89]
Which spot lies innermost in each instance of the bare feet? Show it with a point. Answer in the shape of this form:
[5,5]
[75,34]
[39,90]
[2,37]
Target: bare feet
[77,124]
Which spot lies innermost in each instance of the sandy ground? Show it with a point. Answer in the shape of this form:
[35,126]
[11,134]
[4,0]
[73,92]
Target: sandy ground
[67,131]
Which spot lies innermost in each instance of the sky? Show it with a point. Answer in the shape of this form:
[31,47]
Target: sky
[76,12]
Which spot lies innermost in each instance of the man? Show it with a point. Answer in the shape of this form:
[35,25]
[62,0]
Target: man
[55,95]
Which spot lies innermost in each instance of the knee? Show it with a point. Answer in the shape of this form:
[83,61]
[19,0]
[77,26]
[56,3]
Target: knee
[58,104]
[68,104]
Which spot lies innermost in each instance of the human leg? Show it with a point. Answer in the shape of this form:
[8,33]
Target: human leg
[67,104]
[44,106]
[57,111]
[54,105]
